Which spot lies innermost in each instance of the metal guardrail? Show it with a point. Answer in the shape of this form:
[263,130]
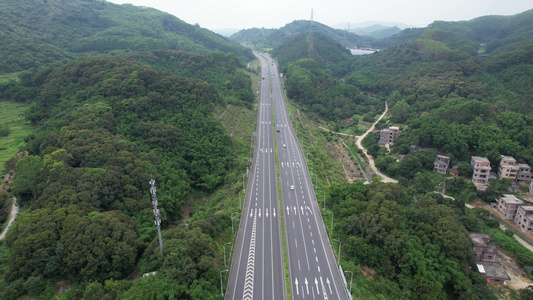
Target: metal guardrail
[345,283]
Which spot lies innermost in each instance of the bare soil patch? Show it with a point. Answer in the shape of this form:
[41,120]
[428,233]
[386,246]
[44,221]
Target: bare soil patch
[351,173]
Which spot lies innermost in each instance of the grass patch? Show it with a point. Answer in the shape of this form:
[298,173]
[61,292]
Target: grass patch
[4,78]
[11,113]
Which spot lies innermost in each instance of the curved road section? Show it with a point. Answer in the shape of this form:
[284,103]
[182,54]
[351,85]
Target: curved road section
[258,271]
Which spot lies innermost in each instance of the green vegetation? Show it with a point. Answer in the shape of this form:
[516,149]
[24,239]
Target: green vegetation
[14,129]
[420,247]
[102,123]
[265,39]
[58,31]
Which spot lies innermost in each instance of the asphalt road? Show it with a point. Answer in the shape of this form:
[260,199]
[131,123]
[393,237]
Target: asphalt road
[258,271]
[313,272]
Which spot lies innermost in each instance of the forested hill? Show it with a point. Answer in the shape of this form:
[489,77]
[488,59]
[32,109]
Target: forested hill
[103,124]
[312,45]
[451,96]
[492,31]
[35,32]
[273,38]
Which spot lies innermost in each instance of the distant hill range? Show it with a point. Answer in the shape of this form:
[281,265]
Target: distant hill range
[493,31]
[262,38]
[36,32]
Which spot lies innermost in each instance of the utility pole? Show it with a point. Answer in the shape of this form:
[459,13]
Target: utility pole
[156,212]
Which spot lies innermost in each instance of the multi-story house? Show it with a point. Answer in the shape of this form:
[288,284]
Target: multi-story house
[481,166]
[388,135]
[487,253]
[524,218]
[508,205]
[441,164]
[485,250]
[524,174]
[508,168]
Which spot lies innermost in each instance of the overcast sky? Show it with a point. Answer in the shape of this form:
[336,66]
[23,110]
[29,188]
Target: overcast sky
[243,14]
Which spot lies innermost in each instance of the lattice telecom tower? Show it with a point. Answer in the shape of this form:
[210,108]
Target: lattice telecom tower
[156,213]
[312,15]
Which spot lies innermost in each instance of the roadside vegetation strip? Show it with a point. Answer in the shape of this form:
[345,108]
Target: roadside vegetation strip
[362,166]
[281,212]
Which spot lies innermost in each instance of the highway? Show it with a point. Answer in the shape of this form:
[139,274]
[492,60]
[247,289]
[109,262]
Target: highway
[312,269]
[257,270]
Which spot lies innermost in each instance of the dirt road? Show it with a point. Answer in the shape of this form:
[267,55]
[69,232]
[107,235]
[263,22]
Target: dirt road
[370,158]
[12,216]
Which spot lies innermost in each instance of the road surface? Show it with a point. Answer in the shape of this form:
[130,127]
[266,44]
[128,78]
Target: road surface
[313,272]
[12,216]
[258,270]
[370,158]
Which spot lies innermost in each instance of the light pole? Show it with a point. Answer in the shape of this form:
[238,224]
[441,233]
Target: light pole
[340,245]
[324,199]
[240,205]
[228,243]
[351,278]
[329,211]
[243,184]
[222,292]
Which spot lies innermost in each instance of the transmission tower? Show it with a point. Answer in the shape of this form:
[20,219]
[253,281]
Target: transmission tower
[312,15]
[156,212]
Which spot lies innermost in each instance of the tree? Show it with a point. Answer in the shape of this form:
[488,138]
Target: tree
[101,247]
[400,112]
[465,169]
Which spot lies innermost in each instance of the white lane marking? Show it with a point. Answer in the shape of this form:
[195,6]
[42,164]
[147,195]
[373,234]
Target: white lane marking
[307,285]
[274,212]
[329,285]
[299,268]
[259,213]
[249,282]
[288,211]
[266,213]
[296,283]
[316,284]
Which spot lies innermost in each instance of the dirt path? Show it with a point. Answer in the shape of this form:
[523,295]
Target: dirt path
[337,133]
[12,215]
[222,113]
[370,158]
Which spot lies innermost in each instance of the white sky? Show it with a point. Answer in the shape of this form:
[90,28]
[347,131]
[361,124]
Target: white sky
[244,14]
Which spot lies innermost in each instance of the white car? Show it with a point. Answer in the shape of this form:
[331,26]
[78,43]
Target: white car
[292,187]
[284,146]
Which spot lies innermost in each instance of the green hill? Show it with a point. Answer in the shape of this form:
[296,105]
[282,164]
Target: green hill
[311,45]
[273,38]
[38,32]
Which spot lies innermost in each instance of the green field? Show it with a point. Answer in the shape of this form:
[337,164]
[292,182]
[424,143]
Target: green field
[11,113]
